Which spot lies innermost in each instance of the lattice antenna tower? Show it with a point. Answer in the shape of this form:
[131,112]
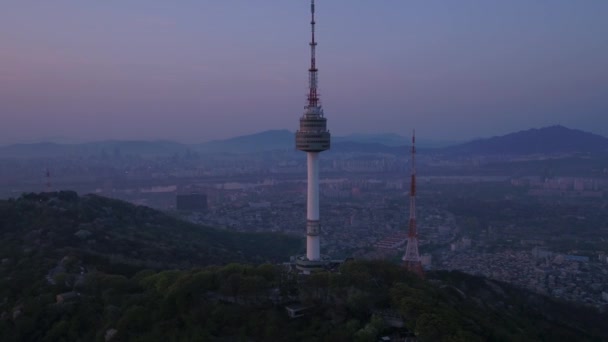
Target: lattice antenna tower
[411,259]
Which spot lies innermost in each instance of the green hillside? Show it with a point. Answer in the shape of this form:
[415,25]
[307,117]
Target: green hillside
[54,224]
[93,269]
[246,303]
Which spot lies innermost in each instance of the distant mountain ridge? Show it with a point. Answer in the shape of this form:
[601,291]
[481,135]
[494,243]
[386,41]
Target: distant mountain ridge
[285,140]
[257,142]
[271,140]
[109,148]
[547,140]
[388,139]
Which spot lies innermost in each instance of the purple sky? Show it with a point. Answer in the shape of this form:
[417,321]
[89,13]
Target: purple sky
[193,70]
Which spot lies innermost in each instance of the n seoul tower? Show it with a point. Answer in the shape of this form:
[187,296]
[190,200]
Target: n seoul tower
[312,138]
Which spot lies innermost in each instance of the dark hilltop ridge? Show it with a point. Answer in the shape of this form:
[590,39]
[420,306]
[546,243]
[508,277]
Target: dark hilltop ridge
[88,268]
[116,231]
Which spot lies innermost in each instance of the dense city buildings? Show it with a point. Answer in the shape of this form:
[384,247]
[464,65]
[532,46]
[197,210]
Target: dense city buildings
[191,202]
[471,214]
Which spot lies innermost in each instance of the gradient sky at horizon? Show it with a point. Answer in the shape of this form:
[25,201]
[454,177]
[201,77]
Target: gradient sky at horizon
[193,71]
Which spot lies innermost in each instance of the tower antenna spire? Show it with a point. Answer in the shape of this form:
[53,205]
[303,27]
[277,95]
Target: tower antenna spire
[313,96]
[411,259]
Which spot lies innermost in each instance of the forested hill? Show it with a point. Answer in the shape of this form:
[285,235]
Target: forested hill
[246,303]
[92,269]
[52,225]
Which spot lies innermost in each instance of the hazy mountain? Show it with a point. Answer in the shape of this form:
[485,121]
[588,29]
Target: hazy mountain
[285,140]
[388,139]
[37,150]
[392,140]
[100,148]
[359,147]
[548,140]
[257,142]
[136,147]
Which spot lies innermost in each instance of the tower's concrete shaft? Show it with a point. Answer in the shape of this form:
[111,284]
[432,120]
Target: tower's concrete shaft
[313,248]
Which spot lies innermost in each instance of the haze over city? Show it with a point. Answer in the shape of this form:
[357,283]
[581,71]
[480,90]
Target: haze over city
[193,71]
[346,170]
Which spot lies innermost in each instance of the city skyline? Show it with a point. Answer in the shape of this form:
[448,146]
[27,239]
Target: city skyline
[195,72]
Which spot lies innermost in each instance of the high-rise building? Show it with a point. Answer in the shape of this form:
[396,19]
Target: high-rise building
[312,138]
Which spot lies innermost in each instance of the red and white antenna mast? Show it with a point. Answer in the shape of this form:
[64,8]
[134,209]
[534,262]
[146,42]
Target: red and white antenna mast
[411,259]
